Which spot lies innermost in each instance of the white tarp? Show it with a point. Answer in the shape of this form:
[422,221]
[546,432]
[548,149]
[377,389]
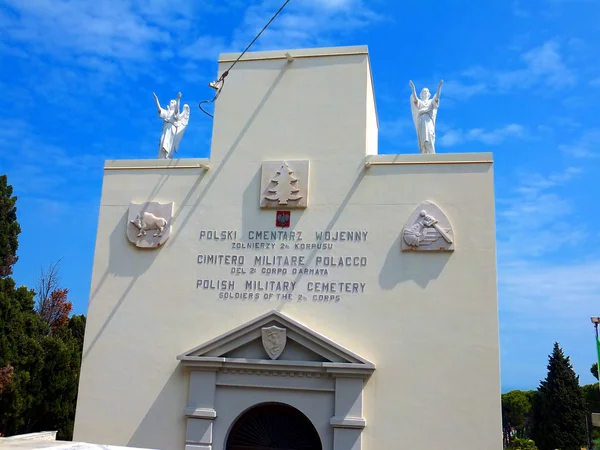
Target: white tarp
[22,444]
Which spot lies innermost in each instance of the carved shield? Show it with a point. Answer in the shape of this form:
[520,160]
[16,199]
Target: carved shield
[274,340]
[428,229]
[149,224]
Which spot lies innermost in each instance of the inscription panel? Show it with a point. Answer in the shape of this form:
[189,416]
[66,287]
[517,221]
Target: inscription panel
[275,265]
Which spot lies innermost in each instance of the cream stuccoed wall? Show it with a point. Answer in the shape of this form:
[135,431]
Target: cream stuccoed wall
[428,321]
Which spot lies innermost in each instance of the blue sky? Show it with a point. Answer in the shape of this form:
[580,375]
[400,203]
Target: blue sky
[521,80]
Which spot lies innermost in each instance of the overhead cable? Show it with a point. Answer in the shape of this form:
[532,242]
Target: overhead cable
[218,85]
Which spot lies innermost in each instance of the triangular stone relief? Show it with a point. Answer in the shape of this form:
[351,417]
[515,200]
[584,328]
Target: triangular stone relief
[428,229]
[268,338]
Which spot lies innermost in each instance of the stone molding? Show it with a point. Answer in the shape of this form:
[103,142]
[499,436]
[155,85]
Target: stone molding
[341,374]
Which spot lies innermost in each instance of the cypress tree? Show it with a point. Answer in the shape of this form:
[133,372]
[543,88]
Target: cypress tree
[559,416]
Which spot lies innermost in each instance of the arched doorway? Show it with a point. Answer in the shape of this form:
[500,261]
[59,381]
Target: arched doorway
[273,426]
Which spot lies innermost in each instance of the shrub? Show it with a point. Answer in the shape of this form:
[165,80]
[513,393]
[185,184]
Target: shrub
[522,444]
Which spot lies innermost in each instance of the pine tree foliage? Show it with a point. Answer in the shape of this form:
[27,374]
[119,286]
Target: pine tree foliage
[21,330]
[559,416]
[591,397]
[516,414]
[9,228]
[39,361]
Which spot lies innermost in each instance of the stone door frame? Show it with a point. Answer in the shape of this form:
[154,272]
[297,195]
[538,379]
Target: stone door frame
[342,373]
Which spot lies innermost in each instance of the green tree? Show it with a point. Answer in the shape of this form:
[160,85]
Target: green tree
[559,416]
[591,400]
[77,327]
[39,369]
[9,228]
[594,370]
[21,330]
[516,414]
[591,397]
[522,444]
[21,354]
[60,375]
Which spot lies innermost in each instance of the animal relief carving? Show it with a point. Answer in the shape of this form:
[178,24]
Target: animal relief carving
[148,221]
[149,216]
[428,229]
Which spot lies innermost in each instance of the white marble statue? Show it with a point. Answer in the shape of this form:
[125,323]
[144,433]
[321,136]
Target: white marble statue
[174,125]
[424,113]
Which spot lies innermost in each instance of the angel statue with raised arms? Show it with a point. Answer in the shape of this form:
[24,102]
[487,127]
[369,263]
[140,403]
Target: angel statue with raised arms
[424,112]
[174,125]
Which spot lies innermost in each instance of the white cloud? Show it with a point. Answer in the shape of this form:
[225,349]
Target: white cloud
[541,66]
[543,280]
[535,213]
[303,23]
[455,89]
[452,137]
[60,169]
[518,10]
[125,37]
[570,290]
[205,47]
[109,28]
[586,146]
[490,137]
[544,65]
[393,129]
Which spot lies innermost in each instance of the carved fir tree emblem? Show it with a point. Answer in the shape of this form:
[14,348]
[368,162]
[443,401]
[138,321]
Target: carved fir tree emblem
[284,184]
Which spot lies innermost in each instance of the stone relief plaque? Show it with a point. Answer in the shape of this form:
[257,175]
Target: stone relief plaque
[149,224]
[428,229]
[284,184]
[274,339]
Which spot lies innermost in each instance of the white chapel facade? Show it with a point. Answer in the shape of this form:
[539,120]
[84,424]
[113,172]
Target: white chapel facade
[296,289]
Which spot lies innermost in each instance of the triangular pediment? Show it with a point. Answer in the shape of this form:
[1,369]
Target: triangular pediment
[299,346]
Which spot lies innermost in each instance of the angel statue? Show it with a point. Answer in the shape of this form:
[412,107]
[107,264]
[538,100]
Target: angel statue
[174,125]
[424,112]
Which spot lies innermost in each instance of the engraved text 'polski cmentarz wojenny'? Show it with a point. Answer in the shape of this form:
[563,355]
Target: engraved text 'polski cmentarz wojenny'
[315,275]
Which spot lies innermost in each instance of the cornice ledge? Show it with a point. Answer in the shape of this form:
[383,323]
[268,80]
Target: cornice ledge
[156,164]
[349,370]
[192,362]
[337,369]
[348,422]
[200,413]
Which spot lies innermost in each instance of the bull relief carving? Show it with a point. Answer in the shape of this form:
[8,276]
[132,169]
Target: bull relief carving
[428,229]
[149,224]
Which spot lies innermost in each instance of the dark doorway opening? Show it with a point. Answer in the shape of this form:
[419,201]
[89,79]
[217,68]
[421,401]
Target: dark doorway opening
[273,426]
